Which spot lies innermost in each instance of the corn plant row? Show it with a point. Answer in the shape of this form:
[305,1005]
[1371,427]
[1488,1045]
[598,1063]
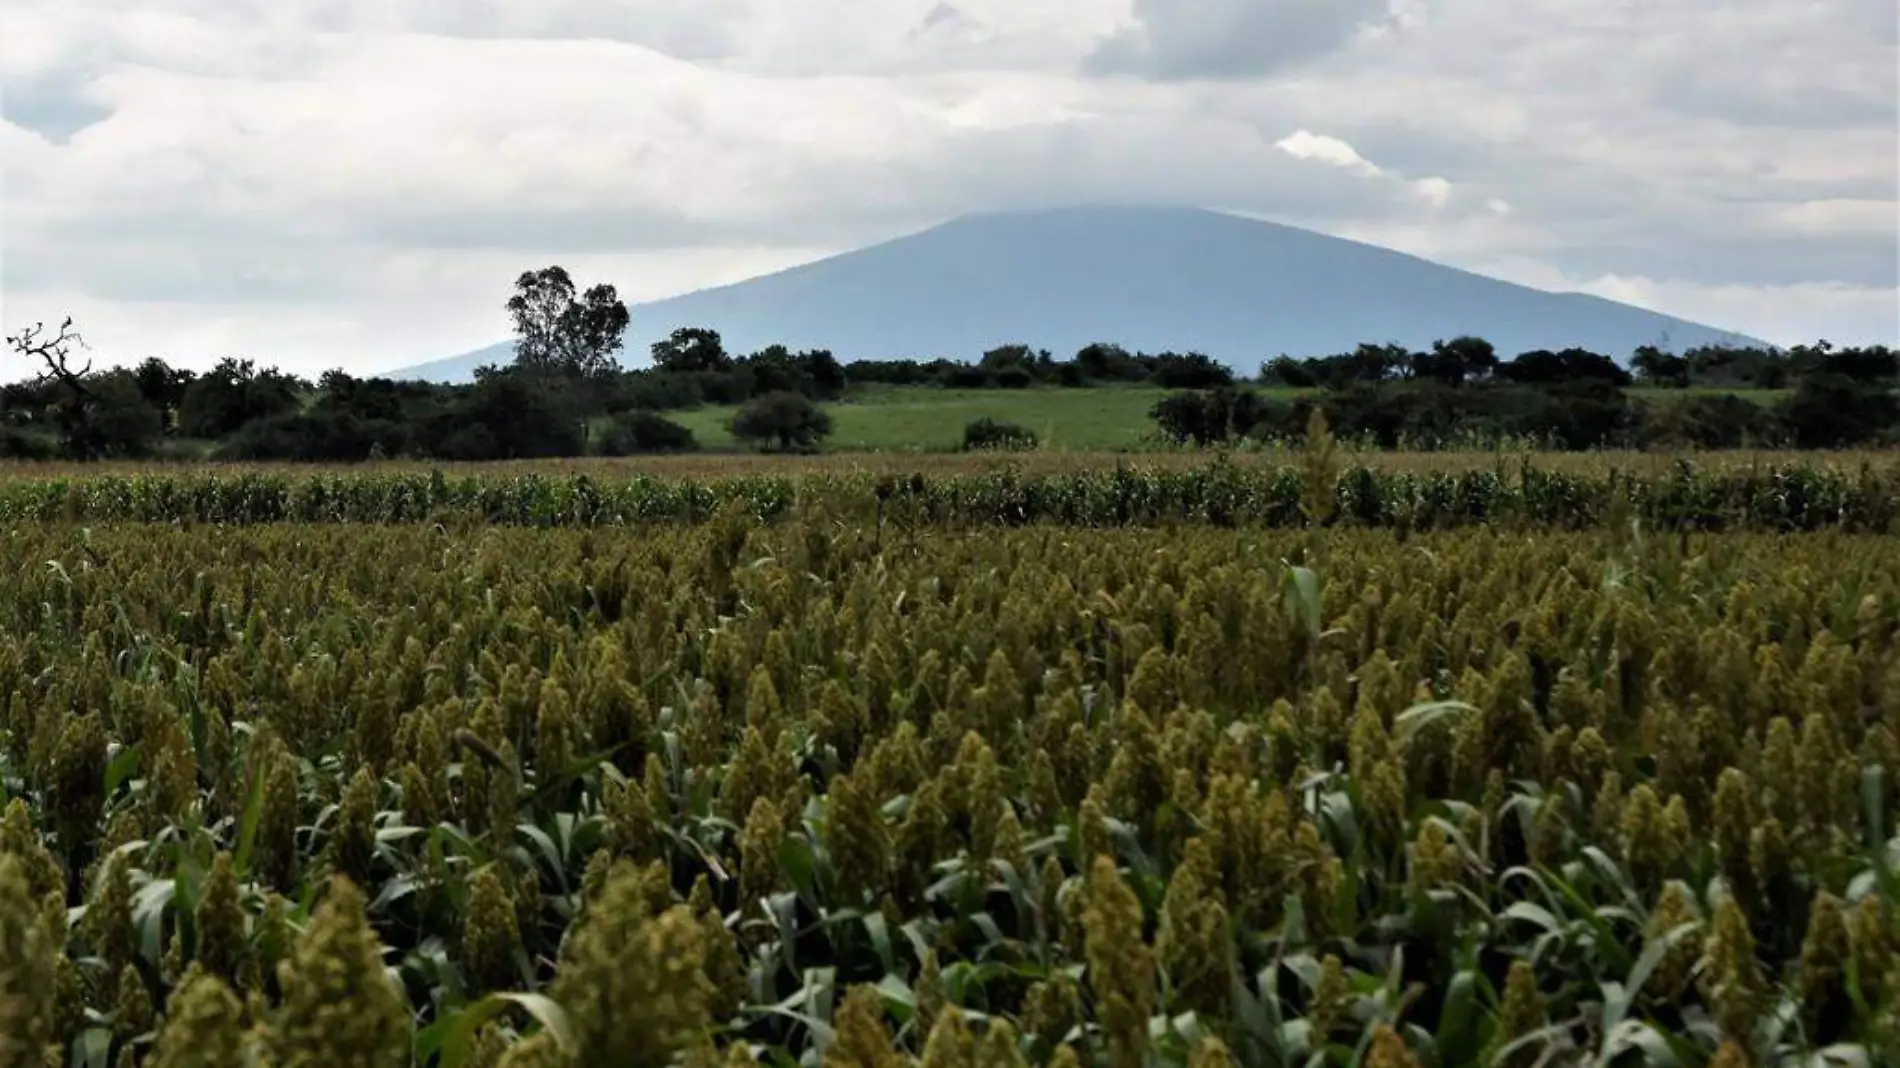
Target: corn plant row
[1793,497]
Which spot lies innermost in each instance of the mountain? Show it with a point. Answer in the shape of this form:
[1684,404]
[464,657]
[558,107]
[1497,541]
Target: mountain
[1152,279]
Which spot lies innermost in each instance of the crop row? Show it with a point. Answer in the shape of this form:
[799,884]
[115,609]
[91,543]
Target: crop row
[1772,497]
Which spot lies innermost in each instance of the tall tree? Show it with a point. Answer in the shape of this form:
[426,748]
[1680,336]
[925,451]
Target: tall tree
[691,348]
[1456,361]
[1654,367]
[557,331]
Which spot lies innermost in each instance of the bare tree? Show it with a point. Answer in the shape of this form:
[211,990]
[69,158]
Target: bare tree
[54,354]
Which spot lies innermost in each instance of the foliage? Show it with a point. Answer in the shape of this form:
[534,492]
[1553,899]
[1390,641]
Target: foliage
[509,414]
[642,431]
[121,422]
[1832,410]
[786,421]
[557,331]
[97,415]
[1212,417]
[987,433]
[162,385]
[691,349]
[1458,394]
[1711,422]
[234,393]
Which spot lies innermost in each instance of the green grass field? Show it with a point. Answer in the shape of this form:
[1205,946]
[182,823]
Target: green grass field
[1109,419]
[931,420]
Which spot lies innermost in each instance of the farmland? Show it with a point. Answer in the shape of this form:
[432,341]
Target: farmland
[1298,758]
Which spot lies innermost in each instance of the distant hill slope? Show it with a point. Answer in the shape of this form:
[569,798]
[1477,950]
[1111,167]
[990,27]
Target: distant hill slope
[1151,279]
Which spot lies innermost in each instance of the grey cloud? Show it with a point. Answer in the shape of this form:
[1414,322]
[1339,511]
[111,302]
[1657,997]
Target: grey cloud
[1184,39]
[587,229]
[946,18]
[1873,97]
[1659,249]
[227,271]
[54,107]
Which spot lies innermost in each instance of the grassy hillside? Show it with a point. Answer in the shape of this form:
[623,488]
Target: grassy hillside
[911,419]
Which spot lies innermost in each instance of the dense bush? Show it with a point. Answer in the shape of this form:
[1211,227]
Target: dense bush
[987,433]
[234,393]
[786,421]
[509,415]
[1214,416]
[119,422]
[641,431]
[18,444]
[316,436]
[1189,371]
[1831,410]
[1710,422]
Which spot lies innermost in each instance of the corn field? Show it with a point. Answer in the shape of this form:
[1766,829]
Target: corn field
[1764,497]
[1283,767]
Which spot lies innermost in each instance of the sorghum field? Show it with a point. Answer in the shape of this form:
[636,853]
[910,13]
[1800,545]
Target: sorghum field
[1305,765]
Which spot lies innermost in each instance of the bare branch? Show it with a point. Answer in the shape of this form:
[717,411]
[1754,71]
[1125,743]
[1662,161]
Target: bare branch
[54,353]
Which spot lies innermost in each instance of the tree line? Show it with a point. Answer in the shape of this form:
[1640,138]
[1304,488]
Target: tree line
[1460,392]
[566,394]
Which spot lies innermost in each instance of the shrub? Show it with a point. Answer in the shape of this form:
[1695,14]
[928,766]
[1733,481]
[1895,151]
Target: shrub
[1830,411]
[119,422]
[1720,422]
[785,420]
[17,444]
[336,437]
[231,394]
[643,431]
[987,433]
[1214,416]
[1015,378]
[507,415]
[1193,370]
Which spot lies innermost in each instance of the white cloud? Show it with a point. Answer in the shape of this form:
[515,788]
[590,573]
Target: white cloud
[1781,314]
[1435,191]
[1306,145]
[1302,144]
[1785,315]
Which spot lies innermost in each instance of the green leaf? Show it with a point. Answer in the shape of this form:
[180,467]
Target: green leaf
[1531,912]
[125,764]
[1303,598]
[1618,997]
[1417,717]
[247,825]
[1458,1035]
[1637,1035]
[460,1035]
[880,932]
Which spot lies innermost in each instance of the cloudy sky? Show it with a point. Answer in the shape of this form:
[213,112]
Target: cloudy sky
[356,183]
